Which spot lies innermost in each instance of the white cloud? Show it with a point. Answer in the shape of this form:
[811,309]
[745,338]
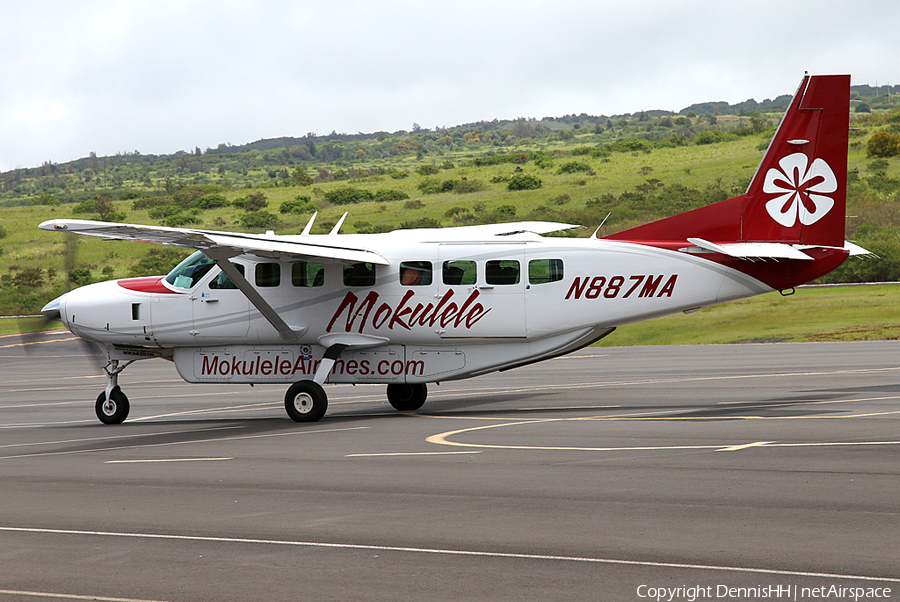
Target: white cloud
[164,75]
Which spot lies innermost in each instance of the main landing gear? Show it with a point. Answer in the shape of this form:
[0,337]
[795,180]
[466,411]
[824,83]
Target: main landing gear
[306,401]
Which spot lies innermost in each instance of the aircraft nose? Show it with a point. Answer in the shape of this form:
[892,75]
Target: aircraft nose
[51,311]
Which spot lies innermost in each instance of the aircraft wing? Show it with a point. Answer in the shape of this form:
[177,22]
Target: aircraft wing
[273,247]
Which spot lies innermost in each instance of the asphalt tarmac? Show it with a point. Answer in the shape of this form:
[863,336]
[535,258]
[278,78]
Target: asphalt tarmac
[737,472]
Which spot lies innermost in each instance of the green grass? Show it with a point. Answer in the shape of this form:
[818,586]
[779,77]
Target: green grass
[846,313]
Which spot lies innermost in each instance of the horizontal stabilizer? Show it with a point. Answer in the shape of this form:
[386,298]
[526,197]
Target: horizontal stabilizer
[856,250]
[752,250]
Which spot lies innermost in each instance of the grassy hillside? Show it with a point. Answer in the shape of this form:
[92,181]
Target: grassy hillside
[638,168]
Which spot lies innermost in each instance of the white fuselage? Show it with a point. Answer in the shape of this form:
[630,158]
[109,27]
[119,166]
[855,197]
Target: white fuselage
[440,310]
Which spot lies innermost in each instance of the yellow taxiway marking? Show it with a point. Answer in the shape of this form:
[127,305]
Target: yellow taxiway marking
[159,461]
[444,438]
[36,343]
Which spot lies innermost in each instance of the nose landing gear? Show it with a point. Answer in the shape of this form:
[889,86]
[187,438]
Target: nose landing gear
[112,405]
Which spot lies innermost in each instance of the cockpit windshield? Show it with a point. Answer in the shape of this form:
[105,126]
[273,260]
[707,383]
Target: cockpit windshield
[189,272]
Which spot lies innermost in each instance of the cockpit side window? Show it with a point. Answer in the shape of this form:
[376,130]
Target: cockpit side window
[188,273]
[223,282]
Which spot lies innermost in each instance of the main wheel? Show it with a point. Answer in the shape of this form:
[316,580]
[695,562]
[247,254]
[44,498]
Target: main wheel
[407,398]
[306,401]
[115,410]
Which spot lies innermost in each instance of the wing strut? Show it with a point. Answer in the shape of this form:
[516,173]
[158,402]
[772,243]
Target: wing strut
[285,331]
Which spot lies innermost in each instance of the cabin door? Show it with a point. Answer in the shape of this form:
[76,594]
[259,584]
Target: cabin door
[481,290]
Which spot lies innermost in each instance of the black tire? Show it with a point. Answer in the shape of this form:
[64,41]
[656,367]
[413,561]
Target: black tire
[116,410]
[407,398]
[306,401]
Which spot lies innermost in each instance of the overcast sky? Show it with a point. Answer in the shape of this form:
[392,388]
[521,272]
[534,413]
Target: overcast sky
[158,76]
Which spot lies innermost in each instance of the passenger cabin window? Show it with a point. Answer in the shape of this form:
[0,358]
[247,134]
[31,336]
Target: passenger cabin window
[268,274]
[189,272]
[222,281]
[542,271]
[306,273]
[415,273]
[502,272]
[359,274]
[459,272]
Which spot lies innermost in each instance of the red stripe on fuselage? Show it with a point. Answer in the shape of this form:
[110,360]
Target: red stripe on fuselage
[150,284]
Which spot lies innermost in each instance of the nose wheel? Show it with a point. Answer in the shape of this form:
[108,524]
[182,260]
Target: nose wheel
[112,405]
[113,410]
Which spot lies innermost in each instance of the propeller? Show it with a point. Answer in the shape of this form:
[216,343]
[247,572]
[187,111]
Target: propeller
[33,334]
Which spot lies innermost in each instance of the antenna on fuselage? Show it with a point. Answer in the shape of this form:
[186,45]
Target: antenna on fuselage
[594,235]
[309,224]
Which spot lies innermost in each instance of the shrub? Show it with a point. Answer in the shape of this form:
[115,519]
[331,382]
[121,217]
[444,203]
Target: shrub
[632,145]
[210,201]
[385,194]
[258,219]
[467,186]
[298,204]
[590,151]
[454,211]
[424,222]
[348,195]
[523,181]
[102,205]
[163,212]
[181,219]
[253,202]
[149,202]
[882,144]
[413,204]
[711,137]
[573,167]
[80,276]
[28,277]
[435,188]
[427,170]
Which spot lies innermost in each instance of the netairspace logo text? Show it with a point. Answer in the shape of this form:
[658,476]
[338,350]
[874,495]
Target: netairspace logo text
[796,593]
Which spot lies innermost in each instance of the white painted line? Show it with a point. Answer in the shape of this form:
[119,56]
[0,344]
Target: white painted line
[745,446]
[165,460]
[450,552]
[13,592]
[411,454]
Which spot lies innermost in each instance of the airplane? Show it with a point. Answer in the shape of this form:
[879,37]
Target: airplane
[412,307]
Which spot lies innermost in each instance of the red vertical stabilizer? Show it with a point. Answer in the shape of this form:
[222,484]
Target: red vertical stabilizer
[798,195]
